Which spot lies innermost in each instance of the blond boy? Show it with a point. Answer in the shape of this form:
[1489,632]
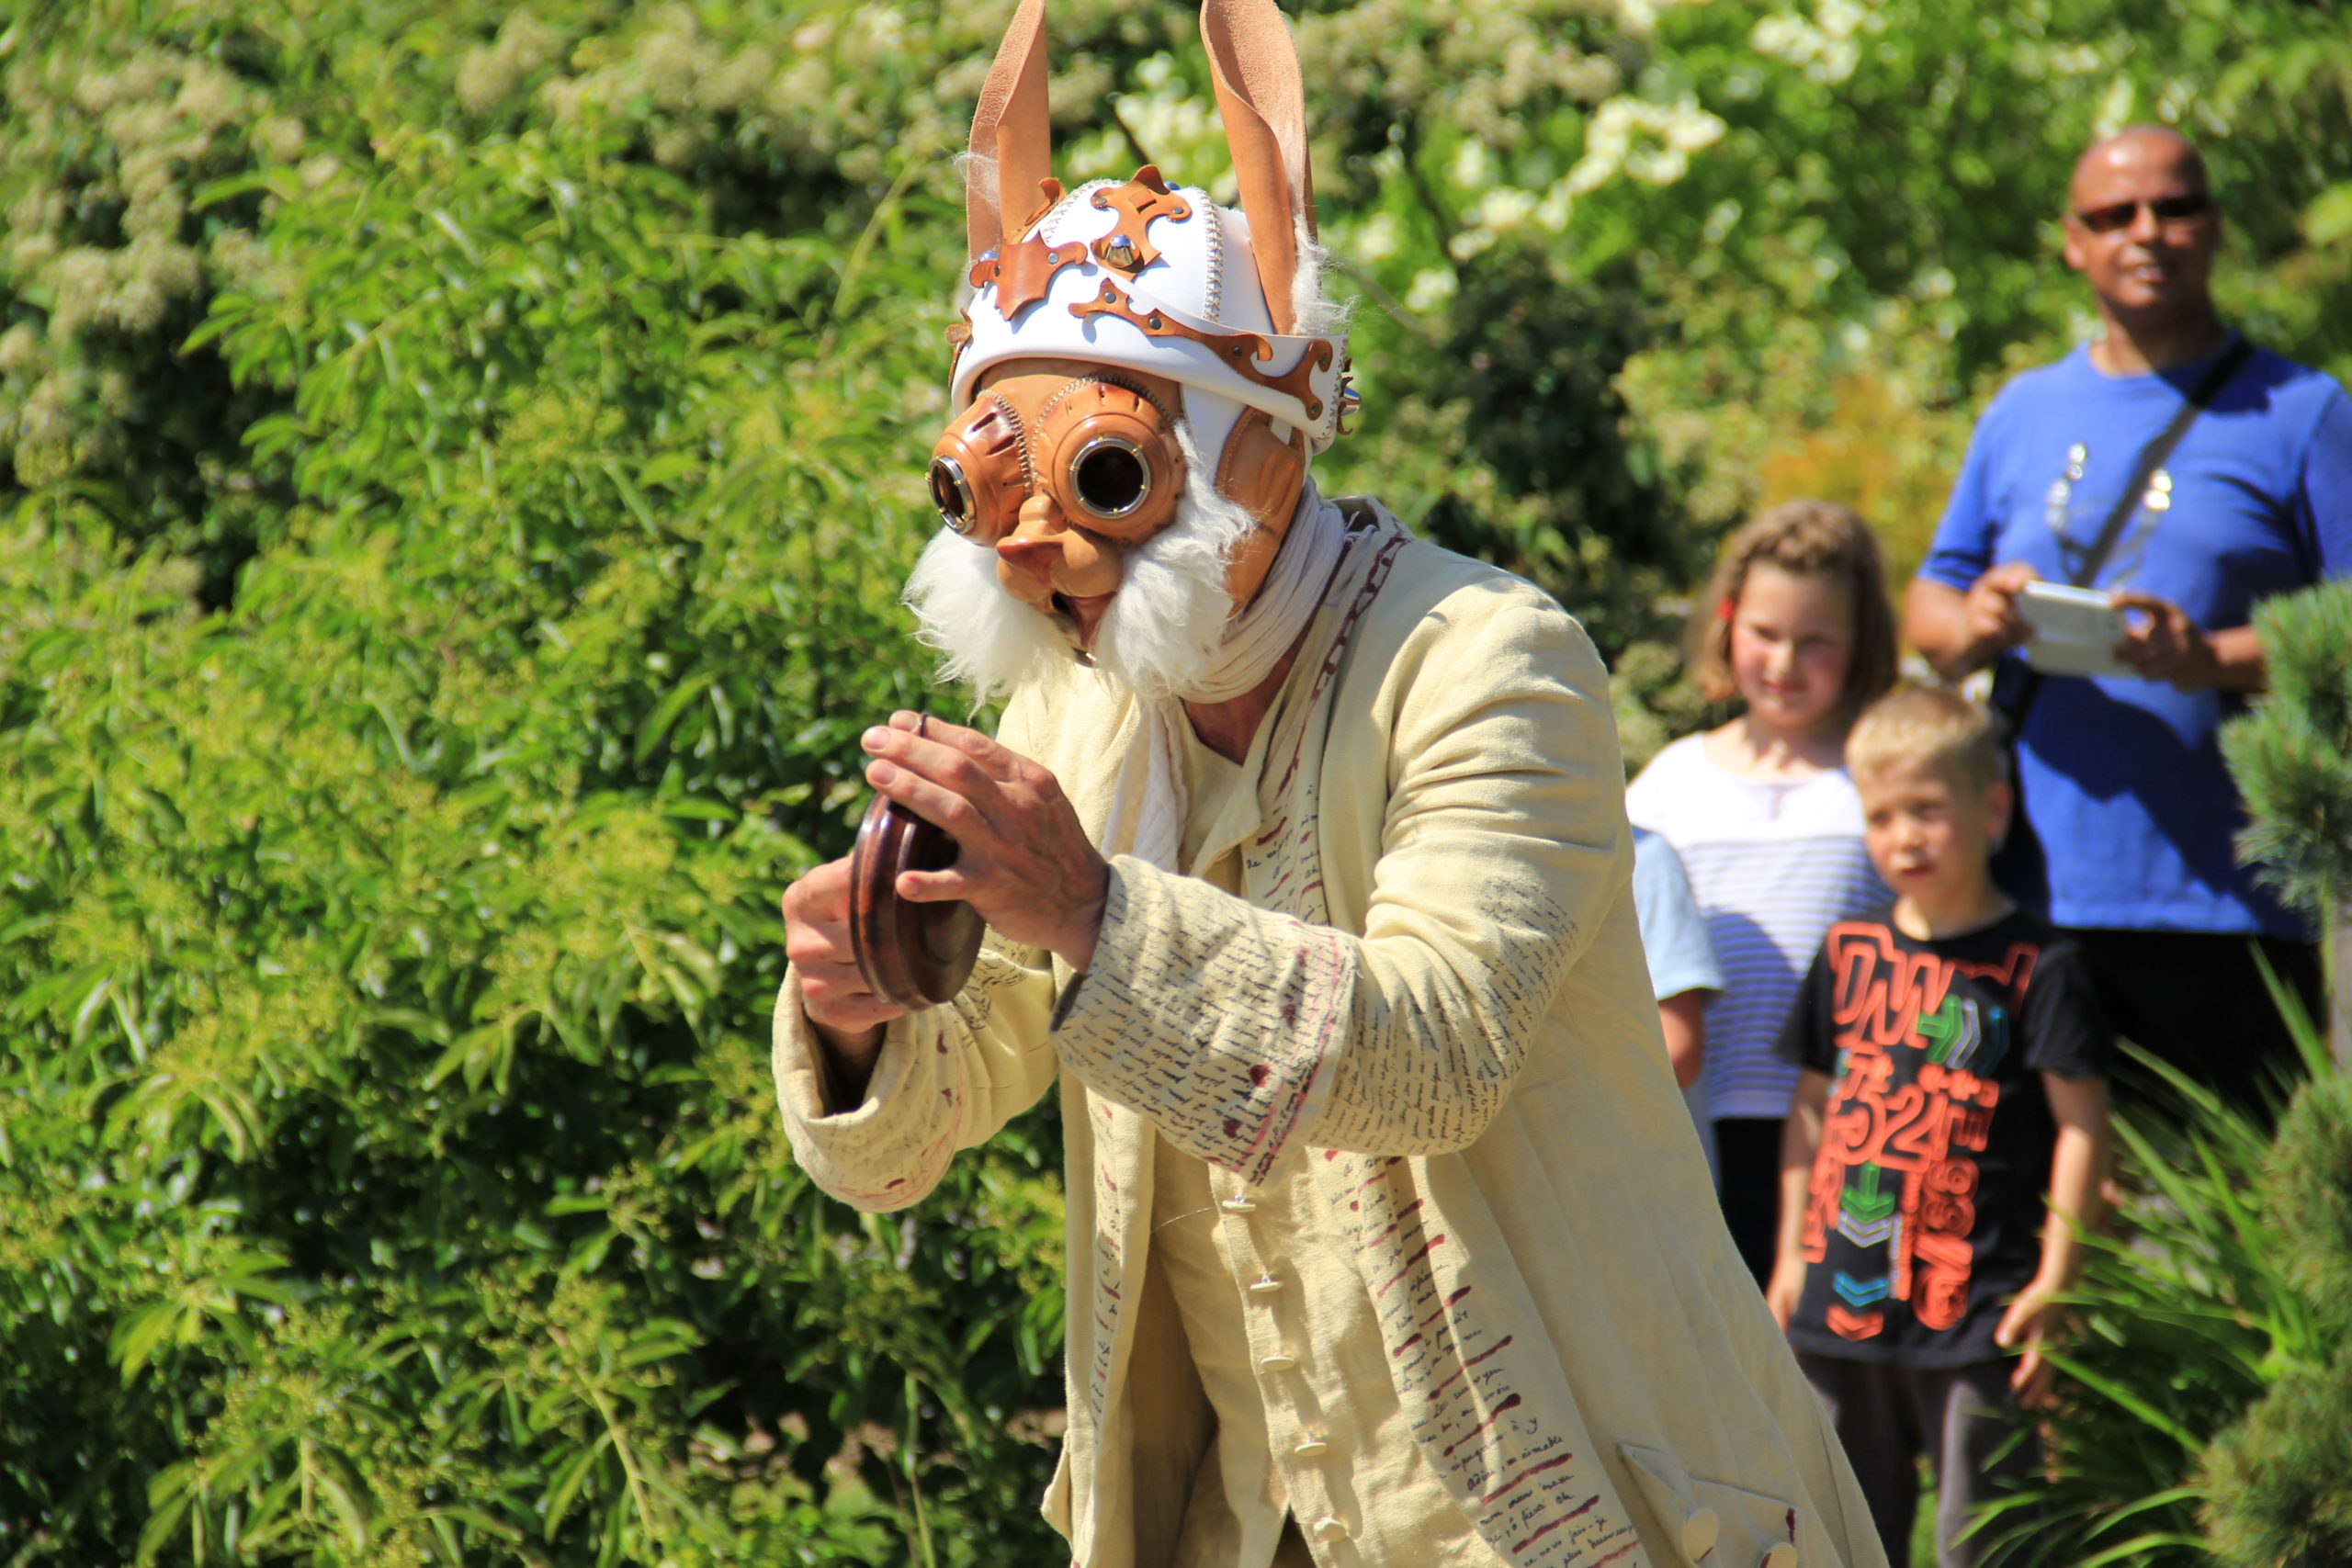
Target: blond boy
[1944,1150]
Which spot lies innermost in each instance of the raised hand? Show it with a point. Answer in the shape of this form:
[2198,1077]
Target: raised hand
[2032,1322]
[2166,645]
[1024,862]
[1990,610]
[833,993]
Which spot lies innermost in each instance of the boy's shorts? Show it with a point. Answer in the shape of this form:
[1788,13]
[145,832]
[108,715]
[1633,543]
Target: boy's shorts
[1960,1417]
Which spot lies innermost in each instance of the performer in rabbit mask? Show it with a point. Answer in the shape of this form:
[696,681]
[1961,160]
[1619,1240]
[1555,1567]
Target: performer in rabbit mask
[1304,854]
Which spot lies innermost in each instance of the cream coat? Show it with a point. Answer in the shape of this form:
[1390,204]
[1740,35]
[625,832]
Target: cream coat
[1433,997]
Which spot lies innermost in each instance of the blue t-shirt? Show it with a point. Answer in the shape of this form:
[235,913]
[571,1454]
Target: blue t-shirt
[1674,932]
[2123,778]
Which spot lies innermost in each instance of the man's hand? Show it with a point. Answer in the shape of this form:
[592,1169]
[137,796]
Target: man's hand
[848,1015]
[2163,644]
[1958,632]
[1990,611]
[2033,1320]
[2166,645]
[1022,860]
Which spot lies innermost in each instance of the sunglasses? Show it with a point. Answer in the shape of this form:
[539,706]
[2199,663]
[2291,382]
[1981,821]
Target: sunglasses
[2166,209]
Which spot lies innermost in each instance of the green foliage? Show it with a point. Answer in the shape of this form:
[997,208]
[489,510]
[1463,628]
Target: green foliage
[2189,1309]
[2279,1483]
[2291,755]
[2307,1185]
[1870,244]
[2203,1422]
[2215,1373]
[390,1167]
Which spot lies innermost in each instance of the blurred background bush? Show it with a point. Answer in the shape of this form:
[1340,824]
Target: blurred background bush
[2208,1416]
[457,462]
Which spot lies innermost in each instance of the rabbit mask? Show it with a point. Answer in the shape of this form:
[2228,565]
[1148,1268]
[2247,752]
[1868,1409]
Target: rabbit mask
[1127,339]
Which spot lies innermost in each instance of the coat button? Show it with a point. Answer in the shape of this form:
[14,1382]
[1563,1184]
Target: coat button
[1330,1528]
[1781,1556]
[1238,1206]
[1314,1448]
[1280,1361]
[1266,1285]
[1699,1532]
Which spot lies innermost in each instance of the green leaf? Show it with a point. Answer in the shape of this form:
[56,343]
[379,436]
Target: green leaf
[2328,218]
[570,1475]
[665,712]
[138,1336]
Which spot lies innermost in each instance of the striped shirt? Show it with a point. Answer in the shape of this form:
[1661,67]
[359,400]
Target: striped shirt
[1774,863]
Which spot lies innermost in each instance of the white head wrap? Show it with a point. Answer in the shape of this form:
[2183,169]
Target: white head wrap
[1148,804]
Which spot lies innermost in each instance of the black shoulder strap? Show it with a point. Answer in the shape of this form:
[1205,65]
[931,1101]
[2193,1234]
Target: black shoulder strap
[2152,458]
[2015,697]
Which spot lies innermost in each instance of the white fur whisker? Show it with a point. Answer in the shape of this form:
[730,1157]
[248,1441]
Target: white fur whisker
[1165,629]
[990,640]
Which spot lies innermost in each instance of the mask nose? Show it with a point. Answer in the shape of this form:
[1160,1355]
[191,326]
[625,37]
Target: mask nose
[1034,547]
[1032,557]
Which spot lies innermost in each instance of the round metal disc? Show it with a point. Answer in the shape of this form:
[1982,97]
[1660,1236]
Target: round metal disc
[914,955]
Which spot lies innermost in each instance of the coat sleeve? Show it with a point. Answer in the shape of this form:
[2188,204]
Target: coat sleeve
[1238,1030]
[948,1077]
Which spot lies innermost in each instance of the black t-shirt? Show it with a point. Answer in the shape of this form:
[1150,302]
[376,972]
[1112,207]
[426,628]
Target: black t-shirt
[1924,1212]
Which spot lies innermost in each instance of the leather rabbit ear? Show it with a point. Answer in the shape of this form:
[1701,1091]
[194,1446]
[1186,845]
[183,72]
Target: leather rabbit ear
[1010,129]
[1260,99]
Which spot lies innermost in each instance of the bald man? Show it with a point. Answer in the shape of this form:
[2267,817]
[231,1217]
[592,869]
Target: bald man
[2129,809]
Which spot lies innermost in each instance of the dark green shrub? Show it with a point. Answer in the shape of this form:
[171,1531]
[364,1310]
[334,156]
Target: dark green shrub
[2188,1310]
[2212,1419]
[2307,1190]
[2280,1482]
[2292,754]
[389,1169]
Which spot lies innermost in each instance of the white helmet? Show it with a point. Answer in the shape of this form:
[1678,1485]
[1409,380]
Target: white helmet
[1148,277]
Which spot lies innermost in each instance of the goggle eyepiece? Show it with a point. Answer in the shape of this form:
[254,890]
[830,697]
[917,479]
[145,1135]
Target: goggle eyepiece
[1110,477]
[951,492]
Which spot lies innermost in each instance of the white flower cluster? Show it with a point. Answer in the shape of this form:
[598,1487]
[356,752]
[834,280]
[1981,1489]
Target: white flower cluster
[1652,142]
[1432,287]
[1490,72]
[1827,46]
[488,77]
[1177,130]
[1648,141]
[2115,106]
[129,290]
[1639,18]
[141,134]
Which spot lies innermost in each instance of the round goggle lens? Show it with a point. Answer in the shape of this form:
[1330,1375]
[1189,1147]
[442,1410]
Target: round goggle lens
[952,493]
[1110,477]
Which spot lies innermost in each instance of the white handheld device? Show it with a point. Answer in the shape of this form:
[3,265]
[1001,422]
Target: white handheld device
[2074,629]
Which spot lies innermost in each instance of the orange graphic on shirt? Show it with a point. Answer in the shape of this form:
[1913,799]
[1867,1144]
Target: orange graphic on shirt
[1895,1175]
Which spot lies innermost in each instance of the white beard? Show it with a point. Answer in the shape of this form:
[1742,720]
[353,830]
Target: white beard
[1165,628]
[987,637]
